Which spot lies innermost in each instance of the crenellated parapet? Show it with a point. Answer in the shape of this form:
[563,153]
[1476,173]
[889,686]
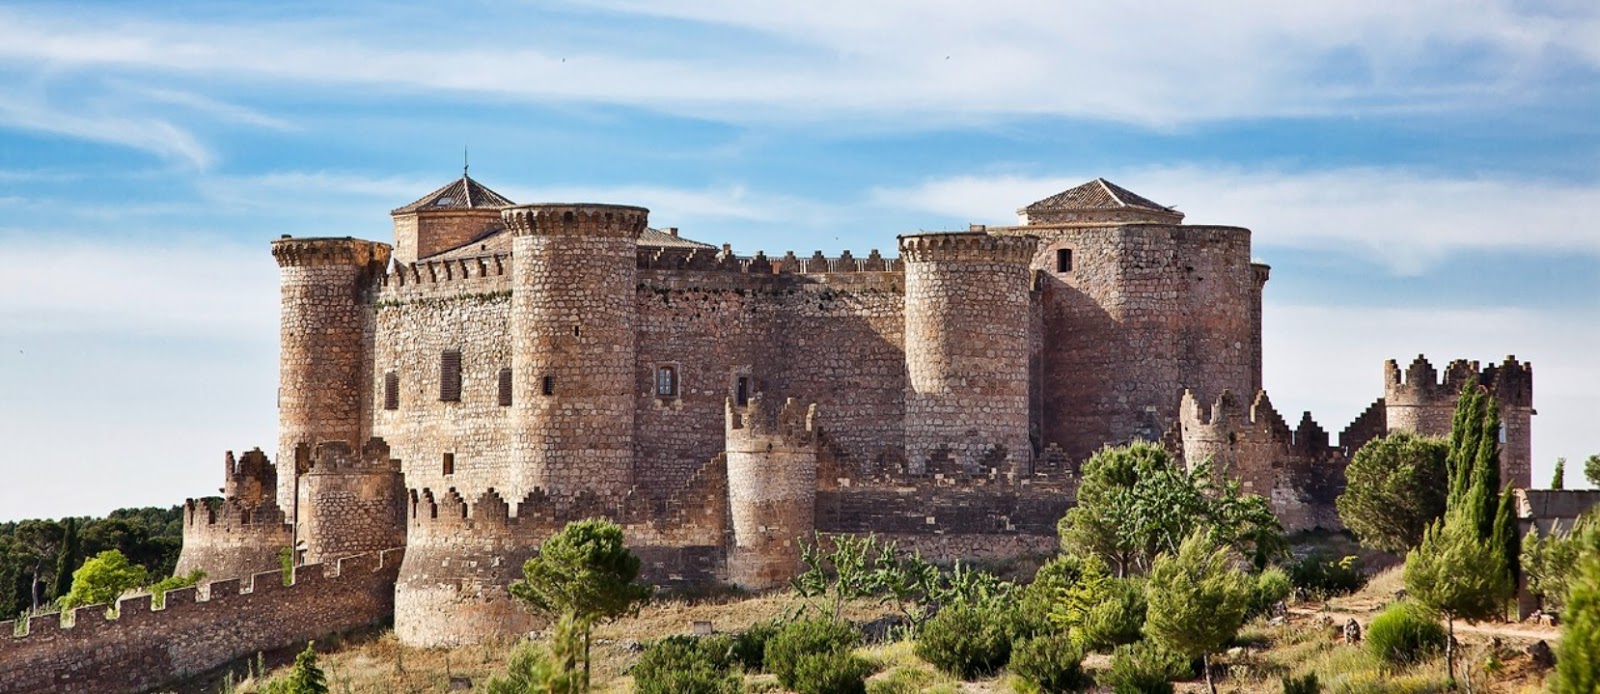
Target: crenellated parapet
[1418,401]
[576,219]
[485,273]
[753,427]
[244,531]
[313,252]
[713,260]
[968,246]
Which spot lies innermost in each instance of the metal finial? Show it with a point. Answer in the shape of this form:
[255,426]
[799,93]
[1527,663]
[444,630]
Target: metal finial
[465,163]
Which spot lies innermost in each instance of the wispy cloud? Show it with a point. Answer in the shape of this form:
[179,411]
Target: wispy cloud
[1407,220]
[22,110]
[1161,63]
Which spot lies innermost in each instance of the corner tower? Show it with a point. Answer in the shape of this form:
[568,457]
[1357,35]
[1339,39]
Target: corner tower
[573,303]
[1417,401]
[967,349]
[325,343]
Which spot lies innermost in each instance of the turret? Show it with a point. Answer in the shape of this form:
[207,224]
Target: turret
[572,324]
[772,489]
[324,343]
[966,336]
[242,533]
[457,213]
[1419,402]
[351,502]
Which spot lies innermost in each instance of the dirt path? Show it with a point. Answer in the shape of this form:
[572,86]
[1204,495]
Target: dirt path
[1515,631]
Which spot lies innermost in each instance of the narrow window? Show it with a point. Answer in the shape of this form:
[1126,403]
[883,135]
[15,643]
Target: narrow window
[1063,260]
[504,385]
[549,385]
[741,391]
[450,375]
[667,382]
[1502,432]
[391,391]
[449,463]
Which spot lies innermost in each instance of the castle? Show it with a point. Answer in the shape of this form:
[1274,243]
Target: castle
[502,369]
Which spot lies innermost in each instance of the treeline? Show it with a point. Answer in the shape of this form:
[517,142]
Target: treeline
[37,557]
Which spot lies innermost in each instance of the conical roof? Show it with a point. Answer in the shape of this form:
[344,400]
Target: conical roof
[1098,194]
[461,194]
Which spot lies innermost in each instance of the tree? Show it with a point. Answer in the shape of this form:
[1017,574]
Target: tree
[305,678]
[37,542]
[586,572]
[1578,656]
[1458,574]
[1591,470]
[1559,480]
[1133,504]
[1395,487]
[101,579]
[1197,600]
[68,558]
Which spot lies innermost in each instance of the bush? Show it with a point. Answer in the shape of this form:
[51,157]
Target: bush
[1118,619]
[966,640]
[1052,664]
[1302,685]
[750,646]
[1324,577]
[801,639]
[835,672]
[683,664]
[902,680]
[1405,633]
[1145,668]
[1271,587]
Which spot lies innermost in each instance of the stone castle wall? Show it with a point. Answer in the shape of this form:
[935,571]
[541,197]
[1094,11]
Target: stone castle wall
[232,539]
[197,630]
[1419,402]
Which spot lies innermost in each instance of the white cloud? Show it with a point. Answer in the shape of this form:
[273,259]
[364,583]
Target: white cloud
[110,125]
[1159,63]
[1408,221]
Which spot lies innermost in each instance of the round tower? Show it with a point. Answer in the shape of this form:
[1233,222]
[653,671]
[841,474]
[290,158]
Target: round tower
[351,502]
[966,337]
[772,490]
[461,557]
[574,270]
[243,533]
[1417,402]
[325,335]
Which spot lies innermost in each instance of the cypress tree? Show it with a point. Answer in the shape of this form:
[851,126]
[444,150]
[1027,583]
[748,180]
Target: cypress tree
[1559,481]
[1505,536]
[67,559]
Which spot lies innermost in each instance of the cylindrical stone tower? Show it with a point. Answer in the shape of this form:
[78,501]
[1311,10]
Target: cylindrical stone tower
[572,325]
[967,308]
[325,339]
[352,502]
[772,490]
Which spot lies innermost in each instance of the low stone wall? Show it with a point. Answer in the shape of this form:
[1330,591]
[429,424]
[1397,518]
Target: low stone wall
[945,524]
[197,630]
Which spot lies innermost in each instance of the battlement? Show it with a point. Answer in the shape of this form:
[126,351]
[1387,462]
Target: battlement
[1226,413]
[199,628]
[1419,385]
[429,272]
[251,478]
[576,219]
[755,427]
[711,260]
[969,246]
[230,515]
[307,252]
[336,457]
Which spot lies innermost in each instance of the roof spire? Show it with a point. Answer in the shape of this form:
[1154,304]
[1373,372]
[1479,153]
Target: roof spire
[465,163]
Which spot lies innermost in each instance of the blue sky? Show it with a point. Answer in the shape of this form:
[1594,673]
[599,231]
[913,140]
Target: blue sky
[1421,175]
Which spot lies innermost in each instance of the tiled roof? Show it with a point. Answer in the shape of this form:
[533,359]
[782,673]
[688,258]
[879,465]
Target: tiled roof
[662,239]
[460,194]
[1096,194]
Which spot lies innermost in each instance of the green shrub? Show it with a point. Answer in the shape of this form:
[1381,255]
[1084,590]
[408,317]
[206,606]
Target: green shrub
[1052,664]
[833,672]
[1405,633]
[1117,620]
[902,680]
[1145,668]
[1271,587]
[1302,685]
[800,639]
[750,646]
[1324,577]
[966,640]
[684,665]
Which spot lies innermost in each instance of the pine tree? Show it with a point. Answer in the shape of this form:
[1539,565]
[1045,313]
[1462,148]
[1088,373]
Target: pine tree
[67,559]
[306,677]
[1578,656]
[1458,574]
[1197,600]
[1559,480]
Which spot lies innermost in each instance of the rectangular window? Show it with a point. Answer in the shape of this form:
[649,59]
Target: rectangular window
[391,391]
[504,385]
[449,463]
[667,382]
[741,391]
[1063,260]
[549,385]
[450,375]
